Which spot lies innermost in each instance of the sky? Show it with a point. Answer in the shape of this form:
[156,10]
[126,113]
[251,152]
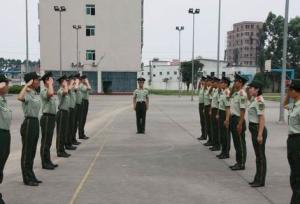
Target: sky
[160,19]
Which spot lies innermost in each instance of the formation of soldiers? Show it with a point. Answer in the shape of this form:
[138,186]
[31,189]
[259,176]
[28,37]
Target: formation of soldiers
[68,118]
[222,109]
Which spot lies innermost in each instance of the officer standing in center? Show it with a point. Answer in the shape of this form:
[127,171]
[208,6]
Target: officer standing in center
[47,120]
[5,122]
[237,122]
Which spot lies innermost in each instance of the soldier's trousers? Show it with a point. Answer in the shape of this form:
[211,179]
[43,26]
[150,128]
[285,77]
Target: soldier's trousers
[239,140]
[224,133]
[140,116]
[293,147]
[62,131]
[82,120]
[259,149]
[30,135]
[47,127]
[208,123]
[72,125]
[215,128]
[202,120]
[78,113]
[4,150]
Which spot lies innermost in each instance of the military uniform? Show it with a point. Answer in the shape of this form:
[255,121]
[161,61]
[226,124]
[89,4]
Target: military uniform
[238,102]
[214,120]
[224,103]
[30,132]
[201,112]
[141,96]
[62,130]
[207,106]
[5,122]
[84,109]
[293,144]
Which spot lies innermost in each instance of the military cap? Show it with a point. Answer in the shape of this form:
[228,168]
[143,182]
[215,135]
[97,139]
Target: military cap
[226,80]
[216,79]
[203,78]
[241,78]
[62,78]
[209,78]
[141,79]
[31,76]
[3,78]
[71,77]
[46,76]
[256,84]
[83,77]
[295,84]
[77,76]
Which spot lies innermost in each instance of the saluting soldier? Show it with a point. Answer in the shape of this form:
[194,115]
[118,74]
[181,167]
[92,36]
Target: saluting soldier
[31,104]
[5,122]
[85,88]
[207,107]
[259,133]
[78,110]
[47,120]
[201,109]
[62,116]
[214,113]
[293,142]
[237,122]
[141,105]
[72,104]
[223,118]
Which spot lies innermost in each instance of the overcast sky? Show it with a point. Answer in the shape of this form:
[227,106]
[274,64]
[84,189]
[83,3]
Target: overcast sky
[161,18]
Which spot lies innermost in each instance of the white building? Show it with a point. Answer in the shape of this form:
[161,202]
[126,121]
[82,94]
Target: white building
[210,67]
[110,40]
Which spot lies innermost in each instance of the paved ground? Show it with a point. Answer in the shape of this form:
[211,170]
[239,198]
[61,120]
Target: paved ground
[165,166]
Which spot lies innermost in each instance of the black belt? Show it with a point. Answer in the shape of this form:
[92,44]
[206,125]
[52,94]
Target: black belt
[255,124]
[207,105]
[49,114]
[140,102]
[29,117]
[85,99]
[63,110]
[294,135]
[235,116]
[7,131]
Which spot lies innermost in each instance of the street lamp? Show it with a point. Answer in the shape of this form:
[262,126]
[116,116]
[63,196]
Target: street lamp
[179,29]
[283,75]
[219,31]
[60,9]
[27,46]
[193,12]
[77,28]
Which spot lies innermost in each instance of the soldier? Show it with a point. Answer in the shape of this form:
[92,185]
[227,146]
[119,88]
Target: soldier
[293,142]
[214,112]
[85,87]
[237,122]
[141,105]
[258,131]
[201,109]
[78,110]
[31,105]
[72,103]
[47,120]
[62,116]
[223,118]
[207,107]
[5,121]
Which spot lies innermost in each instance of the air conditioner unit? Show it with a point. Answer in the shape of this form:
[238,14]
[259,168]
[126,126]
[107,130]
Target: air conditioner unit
[94,64]
[72,64]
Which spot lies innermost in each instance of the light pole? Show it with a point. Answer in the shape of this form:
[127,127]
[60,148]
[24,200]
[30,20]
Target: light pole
[60,9]
[27,46]
[219,31]
[193,12]
[283,75]
[77,28]
[179,29]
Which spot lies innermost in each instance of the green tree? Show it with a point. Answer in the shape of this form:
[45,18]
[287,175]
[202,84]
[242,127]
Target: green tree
[186,71]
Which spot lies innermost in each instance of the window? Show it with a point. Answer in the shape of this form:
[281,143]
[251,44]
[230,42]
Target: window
[148,73]
[154,75]
[142,73]
[90,30]
[175,72]
[90,9]
[91,55]
[168,73]
[160,73]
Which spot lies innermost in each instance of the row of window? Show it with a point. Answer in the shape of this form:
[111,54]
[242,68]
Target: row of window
[160,73]
[251,26]
[90,31]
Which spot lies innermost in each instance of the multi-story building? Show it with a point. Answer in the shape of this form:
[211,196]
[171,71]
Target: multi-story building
[109,42]
[243,44]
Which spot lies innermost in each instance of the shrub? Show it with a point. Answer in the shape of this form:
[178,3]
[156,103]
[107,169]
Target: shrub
[15,89]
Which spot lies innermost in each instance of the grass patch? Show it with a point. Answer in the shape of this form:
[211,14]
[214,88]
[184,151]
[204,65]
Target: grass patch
[170,92]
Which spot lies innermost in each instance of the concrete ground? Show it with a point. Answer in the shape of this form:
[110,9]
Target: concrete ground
[167,165]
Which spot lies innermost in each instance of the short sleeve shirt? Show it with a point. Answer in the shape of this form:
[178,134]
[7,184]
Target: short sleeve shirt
[141,95]
[224,99]
[256,108]
[32,104]
[78,96]
[63,100]
[72,96]
[48,103]
[238,102]
[207,97]
[201,95]
[215,98]
[84,92]
[5,114]
[294,118]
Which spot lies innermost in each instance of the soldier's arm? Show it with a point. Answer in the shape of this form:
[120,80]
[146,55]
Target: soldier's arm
[134,101]
[50,91]
[261,122]
[88,85]
[147,102]
[21,96]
